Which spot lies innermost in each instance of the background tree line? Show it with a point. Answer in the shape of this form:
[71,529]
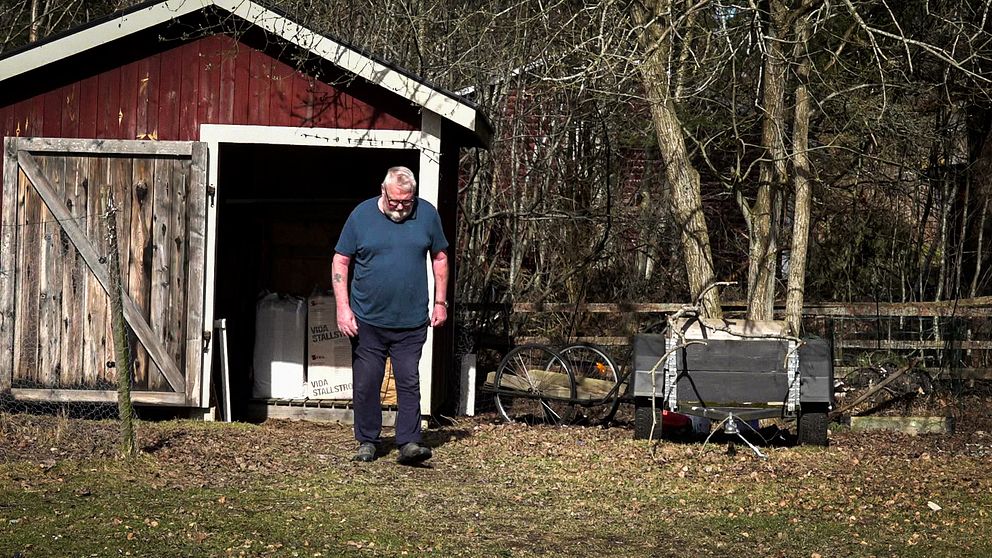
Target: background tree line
[827,150]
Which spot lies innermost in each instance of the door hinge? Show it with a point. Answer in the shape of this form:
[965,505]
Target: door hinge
[206,340]
[212,192]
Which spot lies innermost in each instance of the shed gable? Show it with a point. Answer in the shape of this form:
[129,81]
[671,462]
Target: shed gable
[217,79]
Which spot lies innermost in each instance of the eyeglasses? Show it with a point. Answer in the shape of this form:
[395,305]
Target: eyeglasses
[397,203]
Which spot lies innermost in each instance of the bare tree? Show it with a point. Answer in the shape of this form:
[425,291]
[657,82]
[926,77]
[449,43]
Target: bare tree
[655,25]
[648,149]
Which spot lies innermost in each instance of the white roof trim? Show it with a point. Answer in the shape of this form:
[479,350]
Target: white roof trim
[328,49]
[319,137]
[92,37]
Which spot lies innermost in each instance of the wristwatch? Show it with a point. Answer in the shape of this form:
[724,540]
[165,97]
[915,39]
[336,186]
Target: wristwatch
[441,303]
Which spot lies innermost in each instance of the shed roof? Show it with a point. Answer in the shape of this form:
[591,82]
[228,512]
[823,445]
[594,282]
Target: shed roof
[349,58]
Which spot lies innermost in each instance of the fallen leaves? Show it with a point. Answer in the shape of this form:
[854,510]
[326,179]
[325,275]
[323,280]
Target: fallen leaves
[495,488]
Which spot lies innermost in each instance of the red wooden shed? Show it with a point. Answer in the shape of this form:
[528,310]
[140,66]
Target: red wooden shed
[235,142]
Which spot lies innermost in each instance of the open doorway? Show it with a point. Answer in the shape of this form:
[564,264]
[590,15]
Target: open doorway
[280,212]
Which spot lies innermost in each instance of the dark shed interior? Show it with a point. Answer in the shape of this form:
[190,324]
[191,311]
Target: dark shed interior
[281,209]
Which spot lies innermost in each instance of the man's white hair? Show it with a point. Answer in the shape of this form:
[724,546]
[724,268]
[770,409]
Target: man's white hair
[402,178]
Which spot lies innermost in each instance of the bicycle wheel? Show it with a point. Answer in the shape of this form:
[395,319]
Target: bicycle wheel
[534,385]
[596,378]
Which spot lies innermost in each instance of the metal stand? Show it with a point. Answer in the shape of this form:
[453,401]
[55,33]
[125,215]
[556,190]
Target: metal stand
[730,427]
[225,383]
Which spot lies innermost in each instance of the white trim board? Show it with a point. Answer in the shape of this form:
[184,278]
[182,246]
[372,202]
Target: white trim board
[321,137]
[427,142]
[429,188]
[337,53]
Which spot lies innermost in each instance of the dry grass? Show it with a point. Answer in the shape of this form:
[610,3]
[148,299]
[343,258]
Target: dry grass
[289,489]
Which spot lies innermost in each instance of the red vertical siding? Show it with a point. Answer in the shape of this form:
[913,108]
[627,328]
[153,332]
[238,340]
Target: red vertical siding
[259,84]
[19,115]
[208,94]
[88,107]
[52,114]
[130,79]
[303,99]
[330,107]
[242,94]
[189,124]
[70,111]
[225,98]
[6,122]
[36,116]
[281,94]
[154,94]
[146,98]
[109,116]
[168,95]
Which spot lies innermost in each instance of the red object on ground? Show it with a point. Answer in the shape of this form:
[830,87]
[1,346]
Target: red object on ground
[678,421]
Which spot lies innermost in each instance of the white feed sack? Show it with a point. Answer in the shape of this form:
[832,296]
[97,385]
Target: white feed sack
[329,350]
[280,343]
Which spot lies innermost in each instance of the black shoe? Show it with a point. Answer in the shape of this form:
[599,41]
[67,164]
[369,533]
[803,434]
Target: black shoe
[365,453]
[413,453]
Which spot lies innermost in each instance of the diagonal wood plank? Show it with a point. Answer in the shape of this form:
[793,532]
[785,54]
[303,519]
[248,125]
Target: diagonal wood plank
[92,259]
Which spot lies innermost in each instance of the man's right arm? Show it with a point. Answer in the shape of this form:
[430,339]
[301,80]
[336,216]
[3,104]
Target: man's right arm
[339,279]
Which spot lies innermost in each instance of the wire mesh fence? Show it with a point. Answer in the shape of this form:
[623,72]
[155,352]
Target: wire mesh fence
[42,399]
[952,356]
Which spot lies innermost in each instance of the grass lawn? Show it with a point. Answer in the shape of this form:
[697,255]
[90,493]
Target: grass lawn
[289,489]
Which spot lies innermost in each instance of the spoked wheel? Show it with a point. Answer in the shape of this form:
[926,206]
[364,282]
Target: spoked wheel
[596,378]
[535,385]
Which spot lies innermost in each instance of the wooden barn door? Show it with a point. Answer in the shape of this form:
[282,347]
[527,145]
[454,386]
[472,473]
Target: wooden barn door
[55,325]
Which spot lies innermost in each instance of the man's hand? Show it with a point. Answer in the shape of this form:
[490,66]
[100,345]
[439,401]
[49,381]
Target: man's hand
[346,321]
[439,316]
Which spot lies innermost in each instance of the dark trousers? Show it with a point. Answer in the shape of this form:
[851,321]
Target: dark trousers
[369,350]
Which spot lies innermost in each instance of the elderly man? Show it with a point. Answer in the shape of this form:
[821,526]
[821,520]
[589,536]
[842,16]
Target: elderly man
[384,311]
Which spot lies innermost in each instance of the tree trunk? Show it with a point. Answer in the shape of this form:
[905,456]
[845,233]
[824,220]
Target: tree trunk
[33,29]
[979,251]
[763,252]
[949,191]
[682,177]
[803,194]
[122,348]
[962,235]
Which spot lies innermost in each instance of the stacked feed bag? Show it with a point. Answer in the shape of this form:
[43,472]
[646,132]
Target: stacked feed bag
[280,345]
[329,350]
[329,373]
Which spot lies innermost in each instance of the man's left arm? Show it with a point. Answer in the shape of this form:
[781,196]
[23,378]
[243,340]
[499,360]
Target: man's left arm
[439,263]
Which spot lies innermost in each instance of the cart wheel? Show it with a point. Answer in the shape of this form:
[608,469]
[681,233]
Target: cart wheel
[596,379]
[643,419]
[669,424]
[812,427]
[535,385]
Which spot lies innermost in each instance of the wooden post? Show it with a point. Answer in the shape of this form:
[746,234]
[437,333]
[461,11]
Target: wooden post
[122,350]
[466,396]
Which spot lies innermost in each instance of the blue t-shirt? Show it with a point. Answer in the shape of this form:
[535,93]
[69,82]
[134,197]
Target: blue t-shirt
[389,281]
